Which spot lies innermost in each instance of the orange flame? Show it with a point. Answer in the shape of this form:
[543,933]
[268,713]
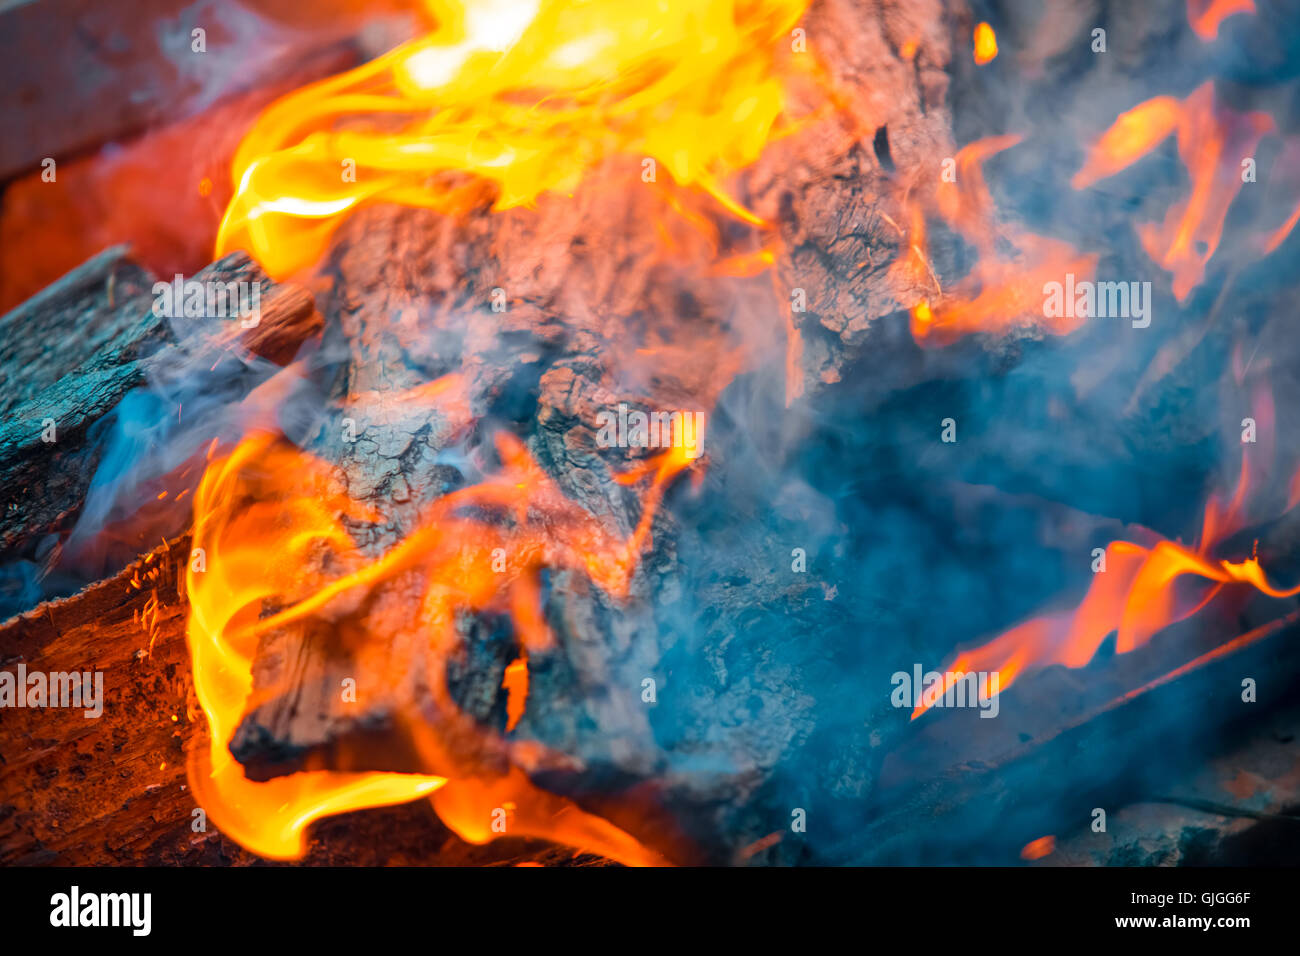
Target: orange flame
[1134,597]
[1288,161]
[1037,849]
[1205,16]
[515,684]
[1211,143]
[1003,290]
[270,522]
[225,595]
[510,99]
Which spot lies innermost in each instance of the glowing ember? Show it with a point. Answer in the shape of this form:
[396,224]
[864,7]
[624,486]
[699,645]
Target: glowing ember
[1037,849]
[506,100]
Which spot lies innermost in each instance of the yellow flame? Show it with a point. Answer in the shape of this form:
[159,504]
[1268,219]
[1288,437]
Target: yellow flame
[509,99]
[986,44]
[273,816]
[270,537]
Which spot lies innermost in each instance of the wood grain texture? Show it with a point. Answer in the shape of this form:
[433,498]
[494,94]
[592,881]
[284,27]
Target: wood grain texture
[597,316]
[71,355]
[112,790]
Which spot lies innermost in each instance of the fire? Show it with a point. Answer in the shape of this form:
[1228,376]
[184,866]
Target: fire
[515,684]
[1003,290]
[1135,598]
[986,44]
[1205,16]
[503,102]
[267,498]
[1037,849]
[1211,143]
[509,99]
[226,594]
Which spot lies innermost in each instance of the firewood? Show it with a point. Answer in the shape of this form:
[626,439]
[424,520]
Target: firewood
[413,297]
[1050,758]
[112,790]
[712,617]
[70,355]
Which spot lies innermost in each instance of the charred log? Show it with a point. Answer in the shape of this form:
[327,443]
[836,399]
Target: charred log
[70,354]
[113,790]
[75,351]
[577,277]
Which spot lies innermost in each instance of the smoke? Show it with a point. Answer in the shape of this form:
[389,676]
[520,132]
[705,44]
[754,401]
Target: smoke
[926,502]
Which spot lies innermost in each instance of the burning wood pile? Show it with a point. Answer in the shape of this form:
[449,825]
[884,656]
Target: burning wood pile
[717,431]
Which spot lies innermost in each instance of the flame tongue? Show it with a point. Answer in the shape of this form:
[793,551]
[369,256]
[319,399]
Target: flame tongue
[504,101]
[1211,143]
[1205,16]
[510,99]
[1005,289]
[236,518]
[267,499]
[1134,598]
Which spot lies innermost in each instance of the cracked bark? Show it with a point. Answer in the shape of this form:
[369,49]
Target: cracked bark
[587,288]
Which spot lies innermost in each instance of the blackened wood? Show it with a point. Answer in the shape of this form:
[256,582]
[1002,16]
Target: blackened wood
[965,789]
[70,354]
[1238,808]
[112,790]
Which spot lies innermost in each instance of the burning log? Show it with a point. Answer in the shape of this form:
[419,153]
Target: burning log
[1236,809]
[535,623]
[99,314]
[69,780]
[1050,758]
[112,790]
[451,321]
[418,296]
